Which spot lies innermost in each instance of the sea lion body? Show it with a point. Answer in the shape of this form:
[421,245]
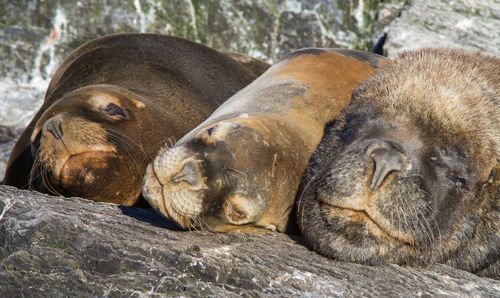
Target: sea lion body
[240,169]
[254,65]
[111,105]
[409,174]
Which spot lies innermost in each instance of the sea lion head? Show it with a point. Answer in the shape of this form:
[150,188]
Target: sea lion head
[409,174]
[91,143]
[226,177]
[240,170]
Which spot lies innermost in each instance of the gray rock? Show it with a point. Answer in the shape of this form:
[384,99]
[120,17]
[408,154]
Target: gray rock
[36,35]
[441,23]
[57,247]
[8,137]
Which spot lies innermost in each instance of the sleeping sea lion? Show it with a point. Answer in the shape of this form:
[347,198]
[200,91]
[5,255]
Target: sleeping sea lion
[254,65]
[409,174]
[109,108]
[240,169]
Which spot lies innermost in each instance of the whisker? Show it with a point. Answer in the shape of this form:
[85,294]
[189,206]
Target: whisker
[300,204]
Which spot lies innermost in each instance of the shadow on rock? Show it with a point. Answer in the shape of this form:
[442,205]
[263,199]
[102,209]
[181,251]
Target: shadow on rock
[150,216]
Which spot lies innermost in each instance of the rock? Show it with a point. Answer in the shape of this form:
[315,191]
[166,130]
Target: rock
[441,23]
[51,246]
[8,137]
[36,35]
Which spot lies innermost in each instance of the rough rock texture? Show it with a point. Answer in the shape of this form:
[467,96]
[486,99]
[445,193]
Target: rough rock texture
[58,247]
[34,34]
[472,24]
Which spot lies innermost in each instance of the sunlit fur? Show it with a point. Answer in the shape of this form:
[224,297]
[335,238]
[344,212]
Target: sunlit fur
[111,105]
[92,137]
[439,110]
[240,169]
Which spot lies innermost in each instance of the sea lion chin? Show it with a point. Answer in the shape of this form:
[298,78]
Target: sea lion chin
[409,173]
[240,169]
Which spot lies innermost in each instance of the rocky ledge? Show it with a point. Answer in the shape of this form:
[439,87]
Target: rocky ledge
[57,247]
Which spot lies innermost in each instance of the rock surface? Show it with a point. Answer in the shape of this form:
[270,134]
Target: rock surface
[57,247]
[471,24]
[35,35]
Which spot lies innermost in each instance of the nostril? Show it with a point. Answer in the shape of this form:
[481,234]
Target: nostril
[385,162]
[190,173]
[54,126]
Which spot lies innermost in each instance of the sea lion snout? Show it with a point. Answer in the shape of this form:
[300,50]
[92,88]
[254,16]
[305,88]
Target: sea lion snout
[385,163]
[174,185]
[54,126]
[190,174]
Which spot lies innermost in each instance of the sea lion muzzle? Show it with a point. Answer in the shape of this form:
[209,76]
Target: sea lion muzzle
[54,126]
[386,161]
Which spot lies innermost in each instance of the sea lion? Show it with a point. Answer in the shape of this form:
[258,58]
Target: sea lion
[111,105]
[254,65]
[240,169]
[409,174]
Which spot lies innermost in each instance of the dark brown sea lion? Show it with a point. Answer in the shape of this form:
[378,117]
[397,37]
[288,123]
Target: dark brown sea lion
[109,108]
[240,169]
[409,174]
[254,65]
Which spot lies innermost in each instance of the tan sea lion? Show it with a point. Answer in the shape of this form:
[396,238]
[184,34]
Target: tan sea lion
[409,174]
[240,169]
[109,108]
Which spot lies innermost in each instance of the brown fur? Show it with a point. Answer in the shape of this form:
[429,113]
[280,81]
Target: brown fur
[254,65]
[111,105]
[430,122]
[240,169]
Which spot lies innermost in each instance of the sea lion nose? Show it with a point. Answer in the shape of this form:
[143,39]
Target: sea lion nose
[54,126]
[386,161]
[190,173]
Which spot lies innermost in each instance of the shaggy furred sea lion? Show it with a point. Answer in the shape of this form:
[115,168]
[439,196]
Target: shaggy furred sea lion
[240,169]
[109,108]
[409,174]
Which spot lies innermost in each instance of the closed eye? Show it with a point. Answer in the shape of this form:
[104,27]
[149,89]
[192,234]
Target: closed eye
[114,110]
[457,180]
